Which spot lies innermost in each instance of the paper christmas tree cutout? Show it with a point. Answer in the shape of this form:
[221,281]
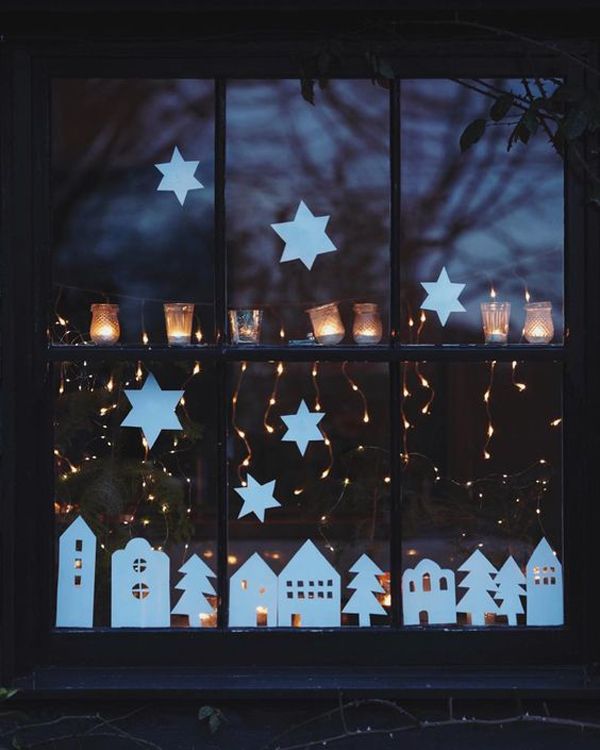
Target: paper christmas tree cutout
[309,591]
[153,409]
[479,581]
[363,601]
[76,576]
[253,595]
[178,176]
[442,296]
[510,580]
[302,427]
[544,587]
[428,595]
[257,498]
[194,585]
[304,237]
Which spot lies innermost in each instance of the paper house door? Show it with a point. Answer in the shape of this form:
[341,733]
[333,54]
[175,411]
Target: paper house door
[428,595]
[544,587]
[253,595]
[309,591]
[140,587]
[76,576]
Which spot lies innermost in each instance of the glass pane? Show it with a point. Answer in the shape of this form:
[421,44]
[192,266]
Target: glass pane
[320,174]
[492,221]
[135,503]
[124,231]
[482,494]
[309,496]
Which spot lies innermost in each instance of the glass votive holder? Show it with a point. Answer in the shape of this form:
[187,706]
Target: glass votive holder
[327,323]
[367,327]
[179,317]
[105,328]
[496,318]
[539,327]
[245,326]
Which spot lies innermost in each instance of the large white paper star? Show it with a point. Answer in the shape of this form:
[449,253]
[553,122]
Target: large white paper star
[304,237]
[302,427]
[153,409]
[257,498]
[442,296]
[179,175]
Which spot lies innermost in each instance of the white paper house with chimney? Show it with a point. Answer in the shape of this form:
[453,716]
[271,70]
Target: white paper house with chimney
[76,576]
[253,595]
[309,591]
[140,596]
[544,587]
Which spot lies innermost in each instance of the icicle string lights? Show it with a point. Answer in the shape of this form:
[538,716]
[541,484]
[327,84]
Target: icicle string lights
[357,389]
[486,400]
[279,370]
[240,433]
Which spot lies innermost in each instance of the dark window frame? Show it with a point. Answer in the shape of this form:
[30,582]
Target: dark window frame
[30,646]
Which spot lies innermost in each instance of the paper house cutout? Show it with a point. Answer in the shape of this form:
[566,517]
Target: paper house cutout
[510,581]
[544,587]
[428,595]
[140,587]
[365,583]
[194,585]
[76,576]
[479,581]
[309,591]
[253,595]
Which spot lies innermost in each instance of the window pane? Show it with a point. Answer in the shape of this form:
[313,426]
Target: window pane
[135,508]
[493,220]
[482,484]
[309,496]
[124,231]
[331,158]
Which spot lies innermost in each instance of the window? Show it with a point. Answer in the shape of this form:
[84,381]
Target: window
[326,421]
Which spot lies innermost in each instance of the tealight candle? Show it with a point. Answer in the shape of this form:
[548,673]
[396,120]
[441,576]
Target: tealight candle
[367,328]
[178,320]
[539,328]
[327,323]
[496,317]
[245,326]
[104,328]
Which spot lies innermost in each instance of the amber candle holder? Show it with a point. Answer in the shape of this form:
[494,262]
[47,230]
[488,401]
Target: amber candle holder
[496,318]
[179,317]
[105,328]
[327,323]
[367,327]
[245,326]
[539,327]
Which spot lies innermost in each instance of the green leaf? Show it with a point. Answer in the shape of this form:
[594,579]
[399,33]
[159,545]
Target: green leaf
[205,712]
[472,133]
[6,693]
[307,87]
[501,106]
[530,121]
[214,722]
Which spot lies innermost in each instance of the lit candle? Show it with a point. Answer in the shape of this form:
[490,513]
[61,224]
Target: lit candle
[178,319]
[327,323]
[539,328]
[245,326]
[495,317]
[104,328]
[367,328]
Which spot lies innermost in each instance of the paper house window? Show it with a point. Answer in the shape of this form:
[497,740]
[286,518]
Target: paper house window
[78,545]
[78,580]
[140,590]
[139,565]
[78,563]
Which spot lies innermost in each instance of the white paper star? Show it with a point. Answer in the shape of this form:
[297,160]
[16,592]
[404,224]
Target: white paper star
[304,237]
[153,409]
[302,427]
[179,175]
[257,498]
[442,296]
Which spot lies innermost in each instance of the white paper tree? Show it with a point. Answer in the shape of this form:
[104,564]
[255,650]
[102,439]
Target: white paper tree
[479,582]
[194,585]
[363,601]
[510,580]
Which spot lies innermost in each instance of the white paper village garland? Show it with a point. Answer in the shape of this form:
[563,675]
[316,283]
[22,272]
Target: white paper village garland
[307,592]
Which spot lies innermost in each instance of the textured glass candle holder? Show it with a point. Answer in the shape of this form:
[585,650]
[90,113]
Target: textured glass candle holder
[539,328]
[105,328]
[496,319]
[327,323]
[179,317]
[367,327]
[245,326]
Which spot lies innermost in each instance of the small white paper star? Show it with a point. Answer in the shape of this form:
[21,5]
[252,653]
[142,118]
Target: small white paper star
[153,409]
[304,237]
[179,175]
[442,296]
[257,498]
[302,427]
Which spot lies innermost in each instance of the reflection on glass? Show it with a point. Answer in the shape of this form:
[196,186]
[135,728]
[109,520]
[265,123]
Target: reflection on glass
[493,219]
[163,495]
[482,493]
[116,237]
[334,157]
[309,498]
